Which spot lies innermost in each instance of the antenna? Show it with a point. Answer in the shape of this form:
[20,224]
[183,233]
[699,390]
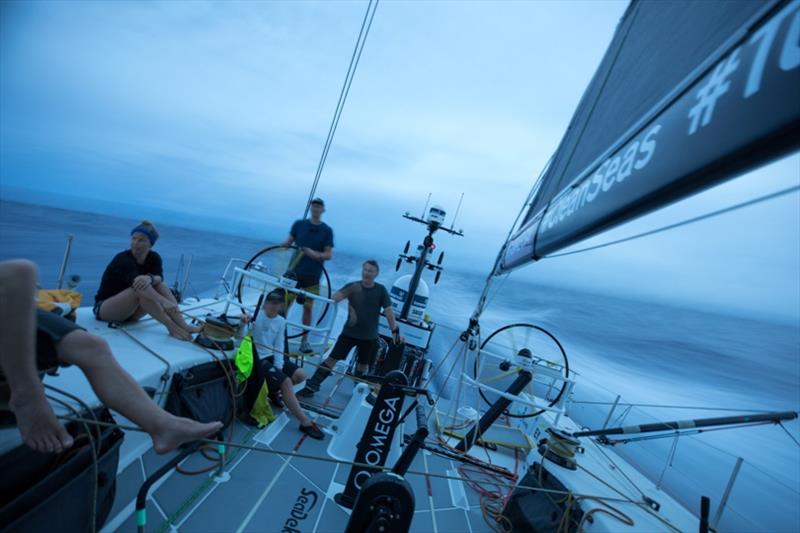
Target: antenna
[457,210]
[426,206]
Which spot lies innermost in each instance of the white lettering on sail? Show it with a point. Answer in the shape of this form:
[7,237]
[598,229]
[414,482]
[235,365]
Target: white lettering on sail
[612,171]
[707,95]
[597,180]
[774,45]
[765,36]
[790,55]
[627,162]
[611,174]
[521,245]
[648,147]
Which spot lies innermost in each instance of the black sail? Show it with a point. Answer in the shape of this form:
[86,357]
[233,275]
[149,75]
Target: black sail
[689,93]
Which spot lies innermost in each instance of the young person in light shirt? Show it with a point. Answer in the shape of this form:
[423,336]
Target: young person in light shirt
[269,334]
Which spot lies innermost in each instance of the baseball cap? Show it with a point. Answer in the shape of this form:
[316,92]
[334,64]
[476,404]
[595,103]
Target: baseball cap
[275,296]
[319,201]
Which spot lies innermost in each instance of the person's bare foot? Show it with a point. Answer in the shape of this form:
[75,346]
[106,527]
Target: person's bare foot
[173,431]
[38,426]
[191,329]
[178,332]
[176,316]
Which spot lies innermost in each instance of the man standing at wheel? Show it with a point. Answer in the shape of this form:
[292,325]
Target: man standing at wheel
[365,300]
[314,238]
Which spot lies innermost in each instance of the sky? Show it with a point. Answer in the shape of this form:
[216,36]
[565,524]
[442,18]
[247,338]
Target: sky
[213,115]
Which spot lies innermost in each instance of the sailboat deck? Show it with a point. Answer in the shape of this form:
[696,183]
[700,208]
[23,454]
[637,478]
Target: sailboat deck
[262,490]
[267,491]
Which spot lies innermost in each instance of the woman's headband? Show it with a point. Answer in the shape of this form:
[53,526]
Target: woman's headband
[148,233]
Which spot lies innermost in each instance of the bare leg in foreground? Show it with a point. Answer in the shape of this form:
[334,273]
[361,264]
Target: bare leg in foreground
[120,392]
[37,423]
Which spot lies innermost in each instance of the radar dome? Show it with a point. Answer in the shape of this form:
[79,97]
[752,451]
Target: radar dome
[399,293]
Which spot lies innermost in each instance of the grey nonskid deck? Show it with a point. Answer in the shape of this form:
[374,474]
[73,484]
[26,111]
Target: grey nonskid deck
[261,490]
[270,492]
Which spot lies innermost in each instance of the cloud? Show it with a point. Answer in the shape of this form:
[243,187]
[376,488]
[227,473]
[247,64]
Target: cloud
[219,111]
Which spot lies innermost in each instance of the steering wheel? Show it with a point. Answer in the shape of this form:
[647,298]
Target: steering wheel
[516,347]
[280,261]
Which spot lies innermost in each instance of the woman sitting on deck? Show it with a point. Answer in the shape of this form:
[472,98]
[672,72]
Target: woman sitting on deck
[133,286]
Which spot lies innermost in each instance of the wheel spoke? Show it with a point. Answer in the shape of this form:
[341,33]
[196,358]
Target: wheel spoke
[498,377]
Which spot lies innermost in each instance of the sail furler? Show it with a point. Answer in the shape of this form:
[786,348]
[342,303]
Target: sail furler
[740,112]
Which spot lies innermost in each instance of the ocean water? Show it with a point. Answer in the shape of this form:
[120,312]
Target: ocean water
[648,353]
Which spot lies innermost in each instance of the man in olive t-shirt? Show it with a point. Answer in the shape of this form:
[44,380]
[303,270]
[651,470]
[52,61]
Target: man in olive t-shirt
[366,299]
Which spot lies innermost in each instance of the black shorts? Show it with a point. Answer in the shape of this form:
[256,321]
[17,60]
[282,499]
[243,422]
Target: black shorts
[276,376]
[365,349]
[50,330]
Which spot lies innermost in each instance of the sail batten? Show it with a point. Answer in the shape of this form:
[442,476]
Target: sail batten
[736,105]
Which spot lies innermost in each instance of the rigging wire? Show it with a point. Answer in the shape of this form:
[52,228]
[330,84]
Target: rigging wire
[366,24]
[445,383]
[321,458]
[634,11]
[450,351]
[510,485]
[788,433]
[482,303]
[492,499]
[699,442]
[93,445]
[735,207]
[499,288]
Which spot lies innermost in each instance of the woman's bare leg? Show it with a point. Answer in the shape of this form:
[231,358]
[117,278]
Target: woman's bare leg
[120,307]
[175,312]
[120,392]
[155,310]
[131,304]
[37,423]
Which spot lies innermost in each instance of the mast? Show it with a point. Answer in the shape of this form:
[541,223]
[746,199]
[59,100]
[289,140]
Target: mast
[433,223]
[427,243]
